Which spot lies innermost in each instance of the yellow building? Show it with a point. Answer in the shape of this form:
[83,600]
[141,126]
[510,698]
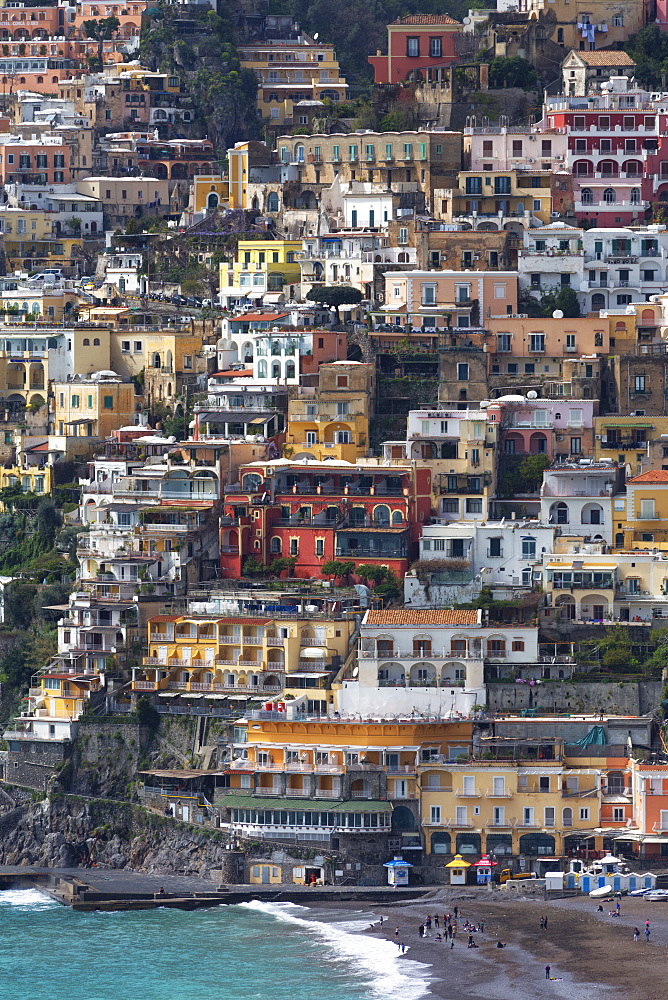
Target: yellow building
[641,516]
[209,192]
[515,797]
[41,301]
[261,267]
[34,479]
[258,657]
[326,780]
[625,439]
[93,407]
[332,421]
[501,196]
[29,236]
[289,72]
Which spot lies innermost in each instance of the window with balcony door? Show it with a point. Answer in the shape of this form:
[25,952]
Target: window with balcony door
[499,785]
[549,816]
[496,647]
[537,342]
[435,47]
[527,816]
[421,646]
[412,47]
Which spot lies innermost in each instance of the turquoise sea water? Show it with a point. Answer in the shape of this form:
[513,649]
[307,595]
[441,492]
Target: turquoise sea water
[272,951]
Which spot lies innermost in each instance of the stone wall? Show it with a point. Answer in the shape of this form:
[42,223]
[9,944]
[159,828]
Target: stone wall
[576,697]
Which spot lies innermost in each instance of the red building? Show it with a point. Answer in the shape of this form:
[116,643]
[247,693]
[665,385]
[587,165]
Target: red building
[616,152]
[420,41]
[316,511]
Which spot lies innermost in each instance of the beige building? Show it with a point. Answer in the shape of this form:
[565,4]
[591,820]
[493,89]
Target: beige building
[412,164]
[169,359]
[124,198]
[94,406]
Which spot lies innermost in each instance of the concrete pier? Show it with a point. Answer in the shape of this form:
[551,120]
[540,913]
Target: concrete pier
[113,889]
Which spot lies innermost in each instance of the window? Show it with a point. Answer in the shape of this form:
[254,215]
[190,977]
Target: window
[503,344]
[403,235]
[570,342]
[429,295]
[618,20]
[412,47]
[108,402]
[527,816]
[474,505]
[639,383]
[576,446]
[647,512]
[495,548]
[294,546]
[528,548]
[125,346]
[618,816]
[435,47]
[584,813]
[435,814]
[320,546]
[462,371]
[536,342]
[75,402]
[518,646]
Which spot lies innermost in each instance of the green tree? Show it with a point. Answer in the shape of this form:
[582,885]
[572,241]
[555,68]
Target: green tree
[334,296]
[102,30]
[512,72]
[531,471]
[340,570]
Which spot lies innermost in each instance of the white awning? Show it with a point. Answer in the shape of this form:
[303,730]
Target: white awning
[168,694]
[310,673]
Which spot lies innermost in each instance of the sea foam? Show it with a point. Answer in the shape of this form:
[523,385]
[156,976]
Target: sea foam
[373,958]
[27,899]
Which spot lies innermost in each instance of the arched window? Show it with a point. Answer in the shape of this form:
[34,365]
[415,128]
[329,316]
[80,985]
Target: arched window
[299,154]
[276,369]
[289,369]
[587,196]
[272,201]
[212,200]
[381,515]
[276,546]
[635,196]
[397,517]
[262,369]
[567,816]
[96,342]
[610,196]
[86,342]
[251,482]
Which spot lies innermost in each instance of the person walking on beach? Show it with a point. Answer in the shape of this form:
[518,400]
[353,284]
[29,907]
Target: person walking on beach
[618,907]
[421,930]
[381,922]
[427,922]
[547,971]
[456,912]
[403,948]
[436,920]
[647,933]
[482,926]
[542,923]
[449,930]
[636,933]
[396,933]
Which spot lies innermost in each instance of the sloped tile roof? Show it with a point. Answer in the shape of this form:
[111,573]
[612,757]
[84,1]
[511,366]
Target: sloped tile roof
[445,616]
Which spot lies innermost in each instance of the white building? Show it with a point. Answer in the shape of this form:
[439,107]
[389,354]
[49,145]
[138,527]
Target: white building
[577,498]
[428,662]
[552,257]
[504,555]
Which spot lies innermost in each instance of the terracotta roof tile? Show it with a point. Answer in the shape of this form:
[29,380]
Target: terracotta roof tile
[606,57]
[427,19]
[443,616]
[657,476]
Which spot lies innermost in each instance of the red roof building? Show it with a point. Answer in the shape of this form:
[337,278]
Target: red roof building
[418,42]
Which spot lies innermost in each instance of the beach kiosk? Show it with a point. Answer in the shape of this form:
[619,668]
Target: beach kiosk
[457,869]
[483,869]
[397,871]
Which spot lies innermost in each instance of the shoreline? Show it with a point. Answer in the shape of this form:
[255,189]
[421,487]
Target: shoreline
[590,954]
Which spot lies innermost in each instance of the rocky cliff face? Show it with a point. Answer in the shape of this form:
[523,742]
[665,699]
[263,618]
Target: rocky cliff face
[65,831]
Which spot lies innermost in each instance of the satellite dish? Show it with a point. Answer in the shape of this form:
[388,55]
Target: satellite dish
[532,394]
[557,314]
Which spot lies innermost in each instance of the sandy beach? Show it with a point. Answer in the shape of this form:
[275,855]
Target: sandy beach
[591,954]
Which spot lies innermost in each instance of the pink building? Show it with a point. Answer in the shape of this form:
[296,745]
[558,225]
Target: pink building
[560,429]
